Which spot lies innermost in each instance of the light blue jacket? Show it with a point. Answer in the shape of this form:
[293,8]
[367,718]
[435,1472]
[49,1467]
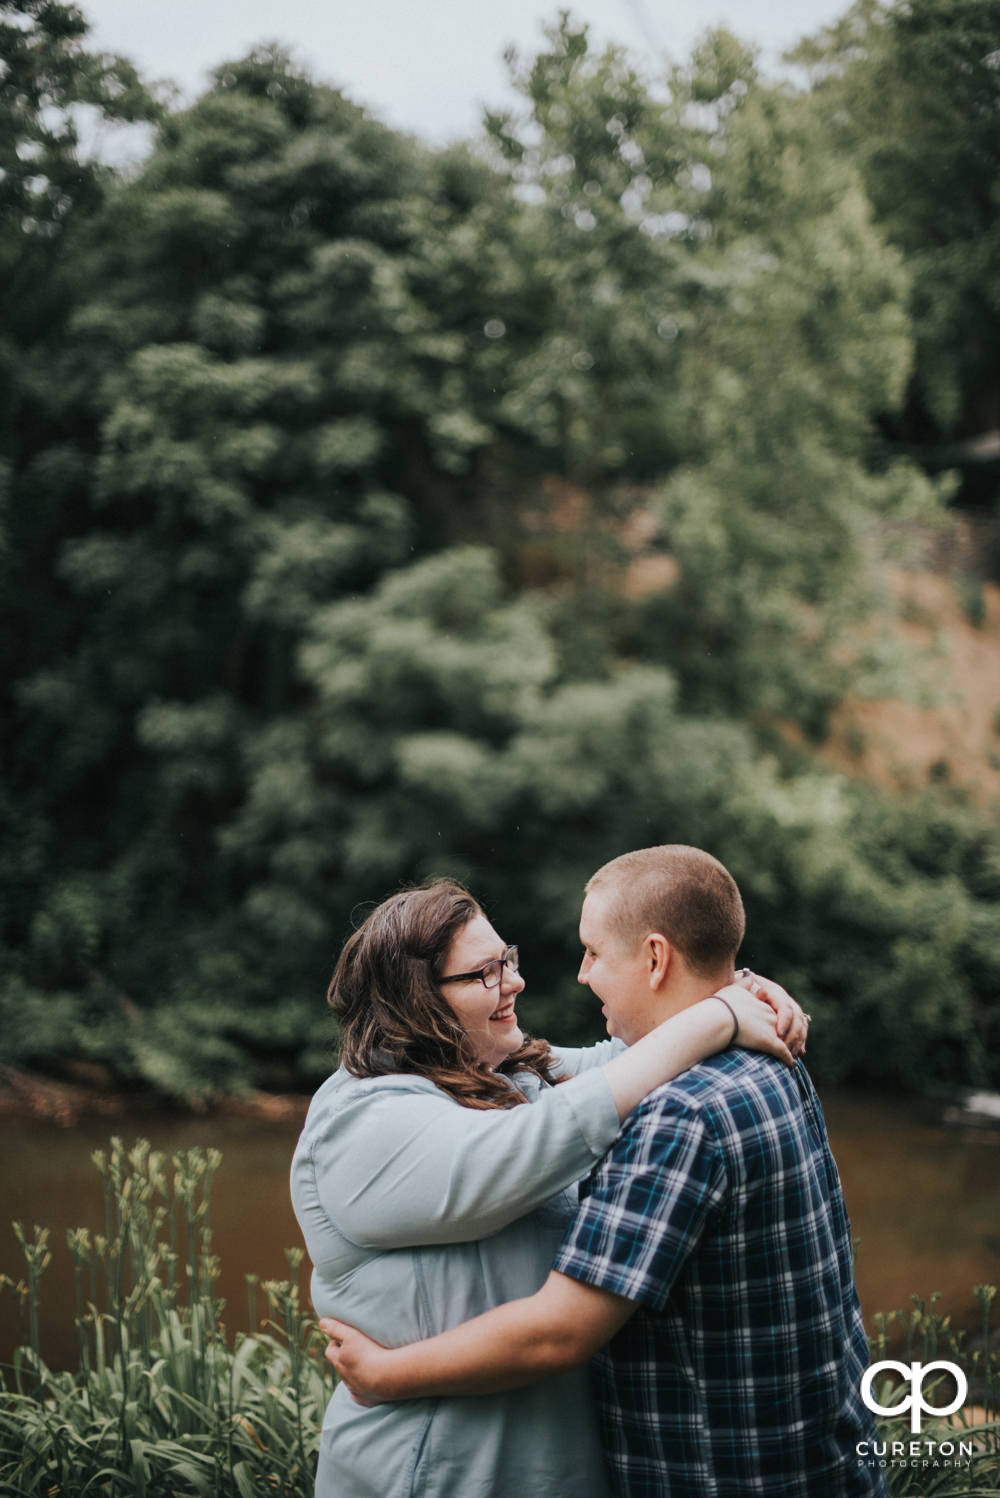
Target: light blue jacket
[419,1213]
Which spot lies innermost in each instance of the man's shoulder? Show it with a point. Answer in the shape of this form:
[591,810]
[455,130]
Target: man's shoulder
[727,1092]
[738,1115]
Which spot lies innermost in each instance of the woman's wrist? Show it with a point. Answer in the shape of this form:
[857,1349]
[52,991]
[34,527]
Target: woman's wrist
[733,1034]
[716,1025]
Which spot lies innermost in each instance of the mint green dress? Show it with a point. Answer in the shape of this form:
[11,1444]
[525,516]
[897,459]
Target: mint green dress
[419,1213]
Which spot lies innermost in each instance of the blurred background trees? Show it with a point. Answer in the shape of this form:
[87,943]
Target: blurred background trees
[912,93]
[327,464]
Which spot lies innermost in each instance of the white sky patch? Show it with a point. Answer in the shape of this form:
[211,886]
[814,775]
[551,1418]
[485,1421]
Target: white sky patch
[429,69]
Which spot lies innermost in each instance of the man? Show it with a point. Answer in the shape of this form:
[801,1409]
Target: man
[709,1266]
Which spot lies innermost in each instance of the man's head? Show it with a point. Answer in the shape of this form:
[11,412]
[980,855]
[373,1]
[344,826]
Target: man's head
[660,928]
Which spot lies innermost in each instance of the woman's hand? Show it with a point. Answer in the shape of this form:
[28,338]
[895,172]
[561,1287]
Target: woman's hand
[792,1023]
[358,1361]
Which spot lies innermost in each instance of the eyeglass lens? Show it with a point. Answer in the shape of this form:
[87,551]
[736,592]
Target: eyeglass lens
[493,971]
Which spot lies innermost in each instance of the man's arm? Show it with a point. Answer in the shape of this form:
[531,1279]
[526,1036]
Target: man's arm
[562,1324]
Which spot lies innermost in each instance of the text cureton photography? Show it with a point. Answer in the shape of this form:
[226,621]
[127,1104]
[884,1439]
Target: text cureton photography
[915,1453]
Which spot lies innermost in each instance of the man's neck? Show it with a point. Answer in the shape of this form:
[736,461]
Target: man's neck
[689,988]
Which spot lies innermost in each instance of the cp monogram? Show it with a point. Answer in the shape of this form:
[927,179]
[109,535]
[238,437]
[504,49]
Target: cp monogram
[914,1374]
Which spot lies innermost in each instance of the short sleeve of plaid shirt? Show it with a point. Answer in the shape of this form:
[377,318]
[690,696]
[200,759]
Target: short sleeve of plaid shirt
[647,1204]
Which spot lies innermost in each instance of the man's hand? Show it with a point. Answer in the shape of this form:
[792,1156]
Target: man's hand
[356,1360]
[560,1326]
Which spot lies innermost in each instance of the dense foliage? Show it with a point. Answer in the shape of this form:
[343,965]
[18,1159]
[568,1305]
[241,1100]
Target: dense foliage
[892,84]
[320,455]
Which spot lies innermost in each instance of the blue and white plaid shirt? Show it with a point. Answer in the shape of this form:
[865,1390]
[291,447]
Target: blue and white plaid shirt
[719,1211]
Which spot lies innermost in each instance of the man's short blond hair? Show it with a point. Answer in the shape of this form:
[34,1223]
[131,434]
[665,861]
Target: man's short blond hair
[683,893]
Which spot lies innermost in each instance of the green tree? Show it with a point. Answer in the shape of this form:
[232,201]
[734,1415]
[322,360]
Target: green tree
[258,673]
[912,91]
[722,310]
[53,92]
[283,345]
[795,339]
[51,86]
[593,157]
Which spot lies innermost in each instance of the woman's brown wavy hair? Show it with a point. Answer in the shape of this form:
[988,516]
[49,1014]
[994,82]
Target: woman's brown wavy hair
[393,1016]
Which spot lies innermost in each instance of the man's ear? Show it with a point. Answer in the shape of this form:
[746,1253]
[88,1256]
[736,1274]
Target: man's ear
[659,954]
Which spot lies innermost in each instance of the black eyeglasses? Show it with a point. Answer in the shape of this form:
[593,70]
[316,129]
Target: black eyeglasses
[490,974]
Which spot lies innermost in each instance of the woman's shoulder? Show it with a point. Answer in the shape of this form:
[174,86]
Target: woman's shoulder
[344,1092]
[344,1100]
[345,1103]
[343,1086]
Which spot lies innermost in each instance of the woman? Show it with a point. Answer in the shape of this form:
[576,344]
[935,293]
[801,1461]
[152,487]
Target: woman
[428,1190]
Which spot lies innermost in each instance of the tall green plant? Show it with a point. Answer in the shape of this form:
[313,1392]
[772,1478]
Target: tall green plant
[954,1454]
[161,1399]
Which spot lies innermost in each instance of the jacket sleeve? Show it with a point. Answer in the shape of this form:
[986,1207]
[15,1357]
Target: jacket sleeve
[399,1168]
[575,1059]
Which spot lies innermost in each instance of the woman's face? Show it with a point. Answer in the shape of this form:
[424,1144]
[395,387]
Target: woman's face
[485,1014]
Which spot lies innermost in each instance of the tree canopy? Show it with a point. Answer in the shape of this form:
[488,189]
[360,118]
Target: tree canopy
[912,92]
[321,450]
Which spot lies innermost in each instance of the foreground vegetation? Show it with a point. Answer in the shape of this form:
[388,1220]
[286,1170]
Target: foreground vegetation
[321,454]
[163,1402]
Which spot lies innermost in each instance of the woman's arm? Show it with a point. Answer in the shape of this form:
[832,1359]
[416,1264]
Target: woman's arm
[688,1037]
[395,1163]
[791,1025]
[394,1168]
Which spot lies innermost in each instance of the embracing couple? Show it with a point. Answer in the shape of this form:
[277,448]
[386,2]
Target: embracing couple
[485,1213]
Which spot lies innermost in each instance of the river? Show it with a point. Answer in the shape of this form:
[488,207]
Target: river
[922,1196]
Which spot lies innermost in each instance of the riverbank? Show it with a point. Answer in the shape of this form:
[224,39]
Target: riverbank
[89,1091]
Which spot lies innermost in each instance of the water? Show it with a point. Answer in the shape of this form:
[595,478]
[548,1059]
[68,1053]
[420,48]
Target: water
[47,1177]
[922,1197]
[923,1200]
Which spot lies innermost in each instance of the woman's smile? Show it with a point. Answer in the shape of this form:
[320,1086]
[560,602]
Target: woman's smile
[485,1014]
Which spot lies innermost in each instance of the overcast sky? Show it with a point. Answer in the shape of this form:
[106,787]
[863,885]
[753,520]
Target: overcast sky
[428,66]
